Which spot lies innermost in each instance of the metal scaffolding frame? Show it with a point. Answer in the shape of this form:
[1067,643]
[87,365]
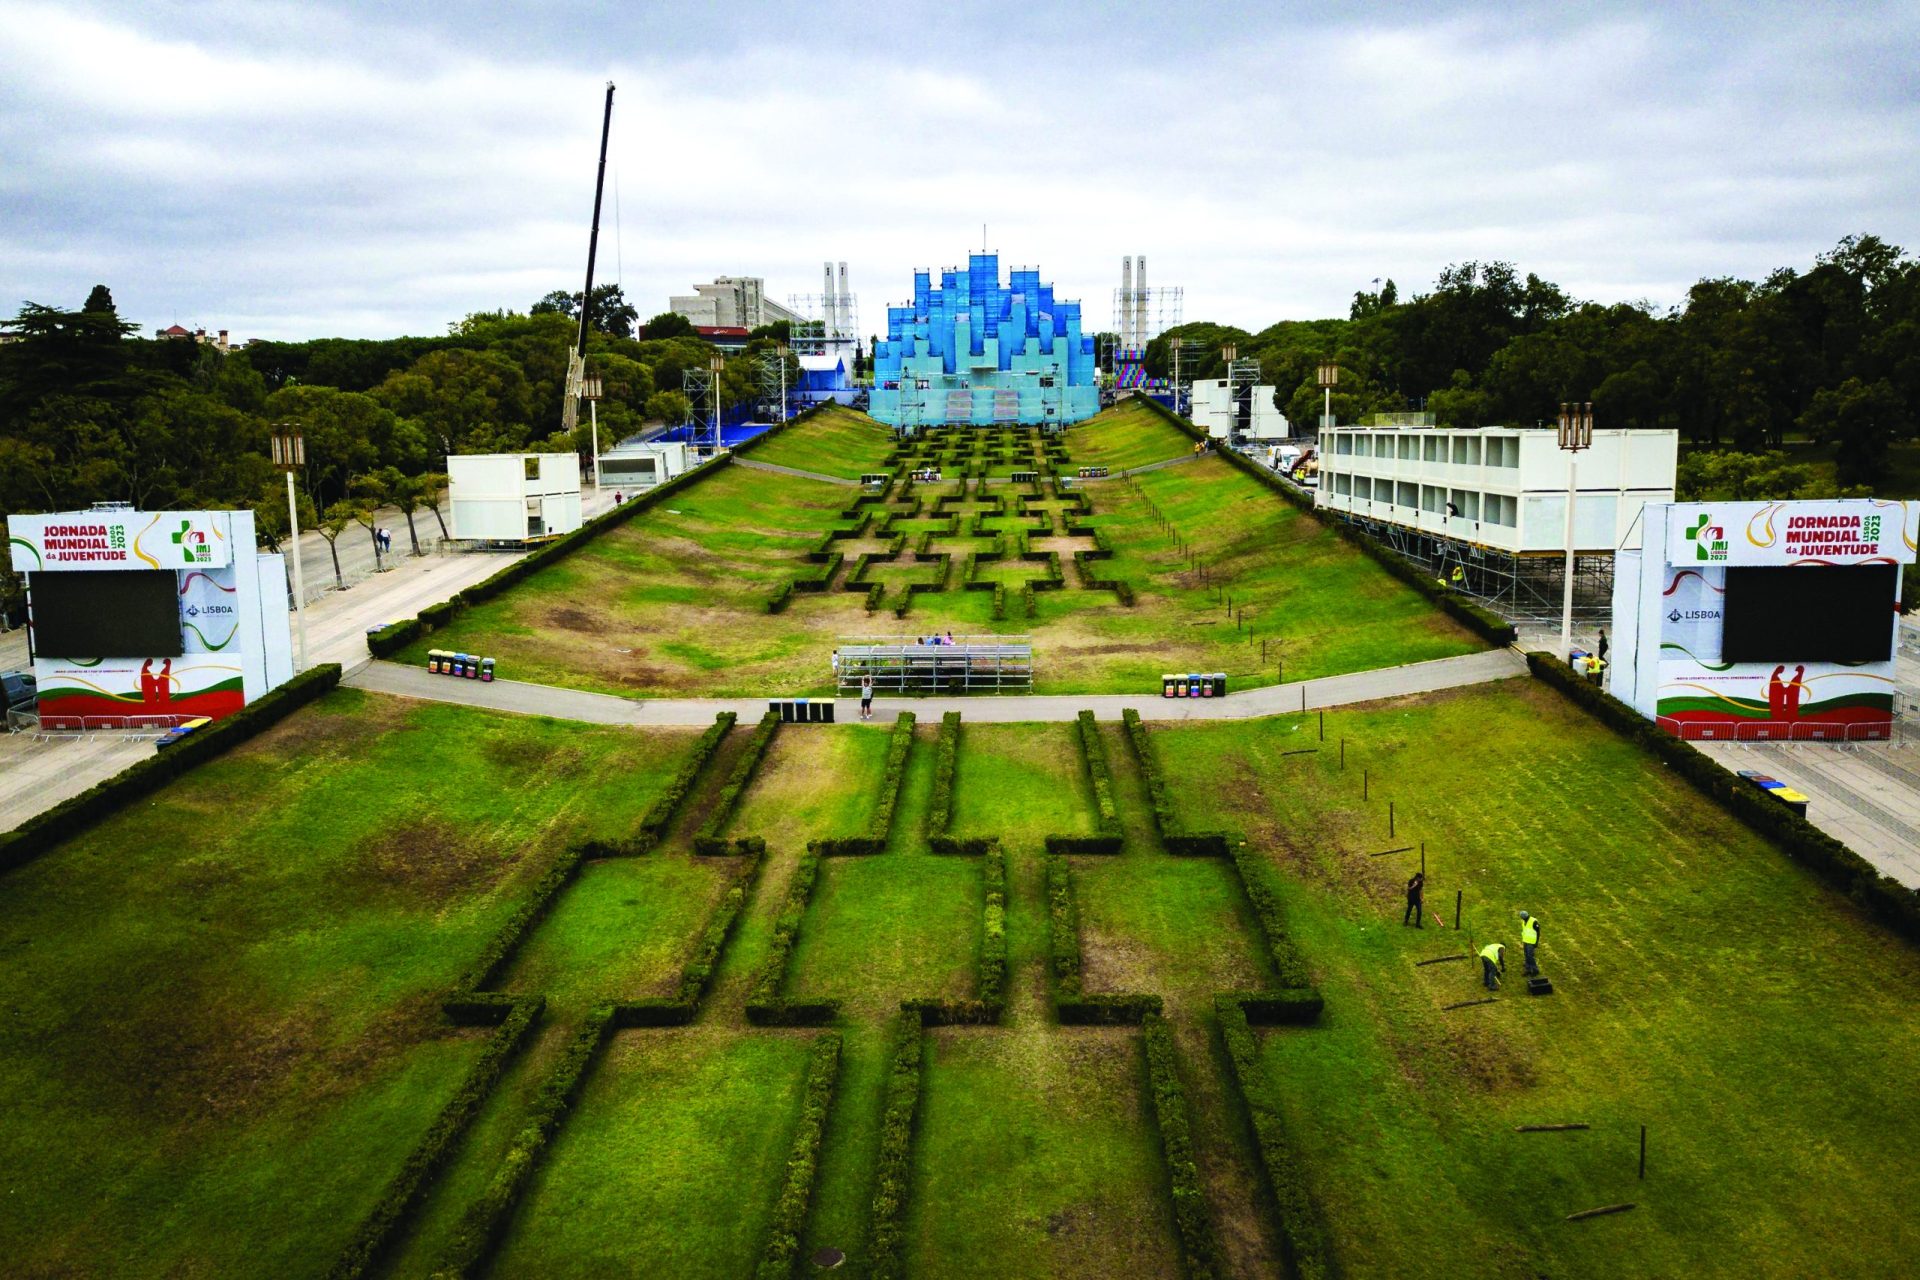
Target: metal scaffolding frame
[971,664]
[1183,355]
[702,388]
[1521,588]
[770,368]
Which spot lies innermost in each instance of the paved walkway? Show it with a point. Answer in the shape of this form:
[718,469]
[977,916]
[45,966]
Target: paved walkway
[601,708]
[756,465]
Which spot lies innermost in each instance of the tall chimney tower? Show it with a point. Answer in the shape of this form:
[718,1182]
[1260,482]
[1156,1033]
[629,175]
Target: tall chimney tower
[843,303]
[826,301]
[1126,302]
[1140,307]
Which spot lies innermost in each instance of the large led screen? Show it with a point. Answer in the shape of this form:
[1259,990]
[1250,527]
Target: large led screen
[1809,613]
[113,613]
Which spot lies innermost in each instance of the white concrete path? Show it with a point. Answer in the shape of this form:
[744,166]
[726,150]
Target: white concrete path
[601,708]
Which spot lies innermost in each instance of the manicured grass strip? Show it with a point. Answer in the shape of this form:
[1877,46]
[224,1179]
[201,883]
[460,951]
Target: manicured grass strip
[893,1175]
[1072,1005]
[1289,966]
[681,1007]
[1895,905]
[1166,818]
[990,985]
[405,1193]
[709,840]
[1296,1220]
[76,813]
[899,742]
[472,1002]
[1200,1248]
[946,751]
[661,815]
[1093,755]
[485,1220]
[767,1005]
[803,1160]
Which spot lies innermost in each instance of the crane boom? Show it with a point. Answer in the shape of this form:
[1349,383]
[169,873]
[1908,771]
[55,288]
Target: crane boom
[577,360]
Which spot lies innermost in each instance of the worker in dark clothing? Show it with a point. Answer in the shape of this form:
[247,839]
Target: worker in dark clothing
[1529,939]
[1493,963]
[1415,888]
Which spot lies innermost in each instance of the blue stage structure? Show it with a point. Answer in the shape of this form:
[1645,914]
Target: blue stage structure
[975,351]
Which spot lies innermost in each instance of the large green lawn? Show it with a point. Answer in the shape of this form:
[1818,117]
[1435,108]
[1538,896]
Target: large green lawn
[223,1002]
[674,601]
[1127,435]
[1706,987]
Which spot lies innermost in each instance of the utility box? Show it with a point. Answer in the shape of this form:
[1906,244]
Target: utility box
[513,497]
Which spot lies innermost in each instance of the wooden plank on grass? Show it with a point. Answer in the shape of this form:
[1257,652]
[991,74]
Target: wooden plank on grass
[1468,1004]
[1548,1128]
[1441,959]
[1595,1213]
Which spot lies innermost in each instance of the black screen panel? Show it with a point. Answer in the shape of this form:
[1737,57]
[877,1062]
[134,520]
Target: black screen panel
[111,613]
[1812,613]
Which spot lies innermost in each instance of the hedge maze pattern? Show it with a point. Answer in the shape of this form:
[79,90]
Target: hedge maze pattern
[698,811]
[977,528]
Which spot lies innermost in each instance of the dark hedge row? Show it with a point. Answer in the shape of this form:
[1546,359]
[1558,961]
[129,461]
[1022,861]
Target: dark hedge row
[893,1175]
[1486,624]
[965,847]
[989,1000]
[767,1005]
[1290,970]
[1094,753]
[1072,1005]
[874,839]
[946,757]
[1889,901]
[472,1002]
[1302,1245]
[1200,1249]
[661,812]
[403,1194]
[71,816]
[803,1160]
[485,1220]
[1166,818]
[709,840]
[390,639]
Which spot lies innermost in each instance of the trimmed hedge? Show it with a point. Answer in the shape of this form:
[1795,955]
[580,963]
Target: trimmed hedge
[875,839]
[75,814]
[1486,624]
[990,983]
[1094,753]
[803,1160]
[1883,897]
[708,840]
[472,1003]
[1289,966]
[1166,819]
[485,1220]
[766,1005]
[946,757]
[661,813]
[1302,1245]
[893,1174]
[1072,1005]
[1199,1247]
[404,1194]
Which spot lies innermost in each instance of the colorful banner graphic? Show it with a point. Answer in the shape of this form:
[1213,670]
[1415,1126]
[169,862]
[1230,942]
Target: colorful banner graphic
[149,687]
[171,540]
[1840,531]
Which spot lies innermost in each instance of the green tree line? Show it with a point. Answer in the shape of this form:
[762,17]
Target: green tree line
[1830,354]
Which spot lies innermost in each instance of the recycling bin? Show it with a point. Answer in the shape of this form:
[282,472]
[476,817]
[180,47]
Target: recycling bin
[1196,686]
[486,670]
[1169,686]
[1219,679]
[435,658]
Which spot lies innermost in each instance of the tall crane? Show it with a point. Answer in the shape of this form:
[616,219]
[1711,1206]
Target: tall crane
[577,359]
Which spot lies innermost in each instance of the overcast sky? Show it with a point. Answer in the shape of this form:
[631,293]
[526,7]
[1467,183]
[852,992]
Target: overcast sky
[298,170]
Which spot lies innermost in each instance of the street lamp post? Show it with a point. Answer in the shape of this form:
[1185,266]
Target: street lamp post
[1576,433]
[780,352]
[590,388]
[290,454]
[1329,378]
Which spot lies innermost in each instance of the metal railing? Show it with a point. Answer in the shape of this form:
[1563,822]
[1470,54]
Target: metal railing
[970,664]
[1749,733]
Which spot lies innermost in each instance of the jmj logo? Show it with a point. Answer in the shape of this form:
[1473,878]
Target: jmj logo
[192,543]
[1709,540]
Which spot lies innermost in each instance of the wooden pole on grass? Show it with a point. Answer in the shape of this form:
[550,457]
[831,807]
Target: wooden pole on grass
[1389,819]
[1643,1152]
[1456,907]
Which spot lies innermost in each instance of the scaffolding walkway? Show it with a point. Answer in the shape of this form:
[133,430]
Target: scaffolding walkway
[909,666]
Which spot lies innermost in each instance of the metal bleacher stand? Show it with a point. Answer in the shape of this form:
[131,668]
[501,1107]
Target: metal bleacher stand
[971,664]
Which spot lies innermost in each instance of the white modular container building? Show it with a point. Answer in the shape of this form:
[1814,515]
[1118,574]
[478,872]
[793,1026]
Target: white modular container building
[1503,488]
[513,497]
[636,466]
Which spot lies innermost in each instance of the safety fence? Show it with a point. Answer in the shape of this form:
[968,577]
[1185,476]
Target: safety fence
[1893,731]
[65,726]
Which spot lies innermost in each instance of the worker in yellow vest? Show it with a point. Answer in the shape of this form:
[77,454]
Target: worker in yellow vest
[1493,963]
[1529,939]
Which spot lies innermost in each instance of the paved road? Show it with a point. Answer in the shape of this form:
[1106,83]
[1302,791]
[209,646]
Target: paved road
[601,708]
[778,470]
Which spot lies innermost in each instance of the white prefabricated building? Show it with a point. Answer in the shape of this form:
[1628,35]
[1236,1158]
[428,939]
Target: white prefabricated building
[1214,411]
[513,497]
[634,465]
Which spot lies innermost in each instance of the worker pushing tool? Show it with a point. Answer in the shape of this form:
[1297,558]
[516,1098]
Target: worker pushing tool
[1493,963]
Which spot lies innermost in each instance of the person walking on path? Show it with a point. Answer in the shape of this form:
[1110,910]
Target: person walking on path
[1415,888]
[836,668]
[1529,939]
[1493,963]
[866,697]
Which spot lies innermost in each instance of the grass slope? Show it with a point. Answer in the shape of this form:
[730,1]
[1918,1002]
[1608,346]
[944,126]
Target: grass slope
[1127,435]
[835,442]
[674,602]
[1706,987]
[223,1001]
